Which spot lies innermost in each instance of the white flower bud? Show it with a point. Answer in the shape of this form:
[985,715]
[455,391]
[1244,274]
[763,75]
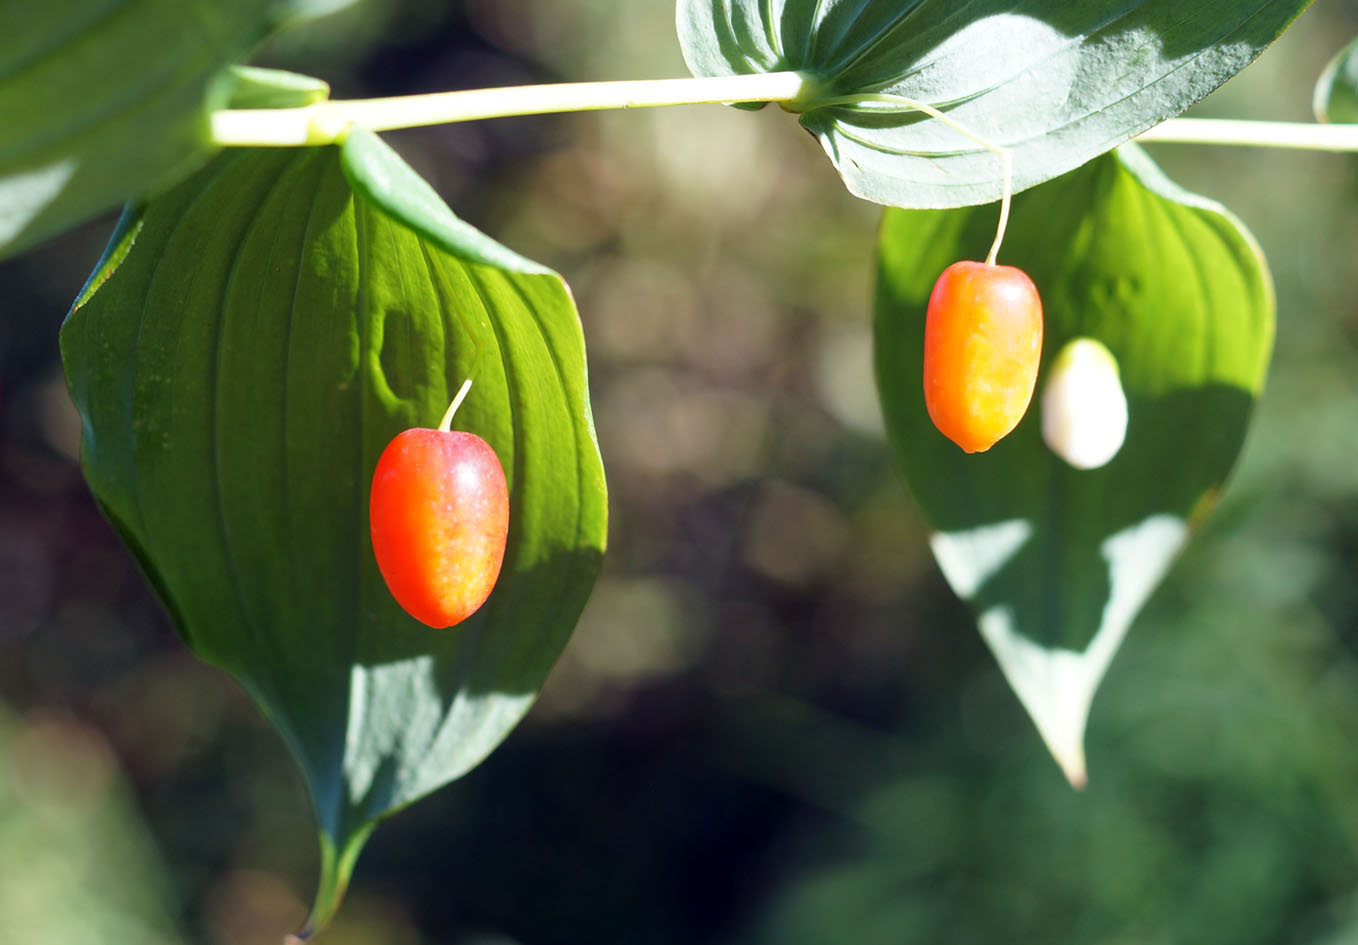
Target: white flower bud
[1084,411]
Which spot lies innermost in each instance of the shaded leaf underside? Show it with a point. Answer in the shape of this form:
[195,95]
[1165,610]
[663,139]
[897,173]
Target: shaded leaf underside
[1054,81]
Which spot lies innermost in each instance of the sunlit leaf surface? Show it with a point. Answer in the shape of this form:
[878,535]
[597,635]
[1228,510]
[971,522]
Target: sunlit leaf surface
[267,332]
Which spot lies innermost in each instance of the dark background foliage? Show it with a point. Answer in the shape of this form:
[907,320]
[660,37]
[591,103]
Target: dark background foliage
[774,723]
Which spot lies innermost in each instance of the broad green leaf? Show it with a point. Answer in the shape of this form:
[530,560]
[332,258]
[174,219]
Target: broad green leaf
[1055,561]
[100,99]
[265,333]
[1055,81]
[1336,97]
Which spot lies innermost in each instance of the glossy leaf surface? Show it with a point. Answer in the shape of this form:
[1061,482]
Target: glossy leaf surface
[1056,561]
[1336,97]
[266,334]
[100,99]
[1056,81]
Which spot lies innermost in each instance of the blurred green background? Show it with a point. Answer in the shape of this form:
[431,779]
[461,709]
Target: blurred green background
[775,723]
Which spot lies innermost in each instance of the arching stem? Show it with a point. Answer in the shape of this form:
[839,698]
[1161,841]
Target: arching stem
[1304,135]
[446,424]
[328,122]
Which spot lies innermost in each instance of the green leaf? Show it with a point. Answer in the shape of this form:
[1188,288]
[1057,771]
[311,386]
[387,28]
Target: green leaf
[253,87]
[376,172]
[100,99]
[1336,96]
[1055,81]
[1055,561]
[267,332]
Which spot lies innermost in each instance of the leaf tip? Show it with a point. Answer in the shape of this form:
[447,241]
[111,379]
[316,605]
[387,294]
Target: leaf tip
[1055,686]
[1063,732]
[1072,764]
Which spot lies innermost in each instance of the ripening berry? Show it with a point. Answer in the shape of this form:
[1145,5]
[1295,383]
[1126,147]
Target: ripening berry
[982,345]
[439,513]
[1084,411]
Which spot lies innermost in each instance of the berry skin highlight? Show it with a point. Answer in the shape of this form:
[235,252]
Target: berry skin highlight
[982,348]
[439,514]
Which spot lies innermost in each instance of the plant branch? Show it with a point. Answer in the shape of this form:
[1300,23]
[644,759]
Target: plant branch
[1262,134]
[328,122]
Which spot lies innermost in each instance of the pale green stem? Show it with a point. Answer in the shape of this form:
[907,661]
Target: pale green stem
[328,122]
[446,423]
[336,867]
[1260,134]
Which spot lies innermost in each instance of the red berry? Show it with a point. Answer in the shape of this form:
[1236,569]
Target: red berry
[982,346]
[439,513]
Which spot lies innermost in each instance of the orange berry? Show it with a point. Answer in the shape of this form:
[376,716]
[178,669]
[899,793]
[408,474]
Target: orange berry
[439,512]
[982,346]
